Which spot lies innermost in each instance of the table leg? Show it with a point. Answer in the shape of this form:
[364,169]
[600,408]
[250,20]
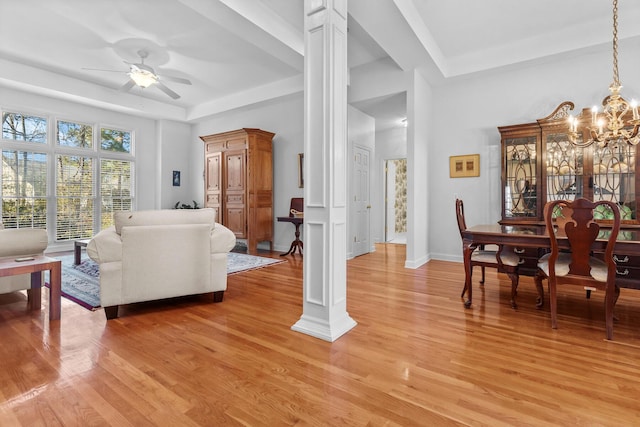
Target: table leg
[55,276]
[292,248]
[35,293]
[77,253]
[296,244]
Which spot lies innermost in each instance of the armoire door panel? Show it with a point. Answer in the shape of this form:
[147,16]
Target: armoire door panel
[236,220]
[234,199]
[237,143]
[214,147]
[214,172]
[235,167]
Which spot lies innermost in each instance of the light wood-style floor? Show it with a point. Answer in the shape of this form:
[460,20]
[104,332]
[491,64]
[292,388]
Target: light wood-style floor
[416,357]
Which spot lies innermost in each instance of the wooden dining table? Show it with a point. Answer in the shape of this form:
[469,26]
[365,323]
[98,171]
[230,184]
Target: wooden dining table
[627,248]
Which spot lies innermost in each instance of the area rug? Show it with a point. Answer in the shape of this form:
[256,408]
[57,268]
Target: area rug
[81,283]
[238,263]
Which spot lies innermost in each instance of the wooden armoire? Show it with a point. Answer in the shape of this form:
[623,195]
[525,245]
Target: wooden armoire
[239,183]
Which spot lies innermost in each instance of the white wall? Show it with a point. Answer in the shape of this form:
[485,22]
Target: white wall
[284,117]
[468,112]
[174,140]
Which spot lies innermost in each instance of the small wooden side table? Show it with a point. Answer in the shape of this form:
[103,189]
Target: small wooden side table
[35,266]
[297,243]
[77,249]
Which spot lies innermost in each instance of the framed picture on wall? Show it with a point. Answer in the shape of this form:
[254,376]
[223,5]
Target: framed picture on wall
[300,170]
[464,166]
[176,178]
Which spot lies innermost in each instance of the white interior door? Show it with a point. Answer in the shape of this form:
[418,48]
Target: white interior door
[362,201]
[389,201]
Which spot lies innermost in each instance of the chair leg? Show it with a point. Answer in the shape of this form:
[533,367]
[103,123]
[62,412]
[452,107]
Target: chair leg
[111,312]
[588,293]
[553,303]
[482,280]
[218,296]
[514,288]
[538,281]
[610,301]
[464,289]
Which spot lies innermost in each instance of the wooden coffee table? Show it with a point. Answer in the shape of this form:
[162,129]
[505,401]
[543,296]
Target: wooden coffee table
[77,249]
[35,266]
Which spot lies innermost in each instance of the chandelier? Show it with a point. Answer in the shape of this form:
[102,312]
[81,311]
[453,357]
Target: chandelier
[613,125]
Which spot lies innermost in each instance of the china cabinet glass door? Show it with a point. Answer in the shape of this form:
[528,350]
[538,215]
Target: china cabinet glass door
[614,177]
[520,195]
[564,168]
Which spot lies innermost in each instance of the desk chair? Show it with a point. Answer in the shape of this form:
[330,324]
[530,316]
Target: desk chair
[573,220]
[297,204]
[504,262]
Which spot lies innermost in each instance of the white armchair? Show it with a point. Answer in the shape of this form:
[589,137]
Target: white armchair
[20,242]
[150,255]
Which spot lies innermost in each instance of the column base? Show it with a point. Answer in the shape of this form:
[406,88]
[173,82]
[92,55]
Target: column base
[319,328]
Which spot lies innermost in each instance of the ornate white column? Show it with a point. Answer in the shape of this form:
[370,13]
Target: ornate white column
[324,310]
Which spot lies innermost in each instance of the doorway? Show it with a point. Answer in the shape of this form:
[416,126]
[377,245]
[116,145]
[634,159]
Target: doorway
[361,201]
[395,225]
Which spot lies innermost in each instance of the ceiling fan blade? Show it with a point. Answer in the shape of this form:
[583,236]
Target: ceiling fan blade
[101,69]
[174,79]
[127,86]
[166,90]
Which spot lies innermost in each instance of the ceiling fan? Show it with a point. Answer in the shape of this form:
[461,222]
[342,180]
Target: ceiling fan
[142,75]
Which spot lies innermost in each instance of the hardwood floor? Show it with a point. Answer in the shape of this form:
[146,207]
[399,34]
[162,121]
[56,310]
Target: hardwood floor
[416,357]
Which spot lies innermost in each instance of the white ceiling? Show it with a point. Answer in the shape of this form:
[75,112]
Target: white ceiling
[237,52]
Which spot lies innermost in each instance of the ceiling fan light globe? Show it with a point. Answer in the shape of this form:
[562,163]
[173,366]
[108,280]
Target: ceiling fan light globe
[143,78]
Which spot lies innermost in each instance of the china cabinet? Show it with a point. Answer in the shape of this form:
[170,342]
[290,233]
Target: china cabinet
[540,164]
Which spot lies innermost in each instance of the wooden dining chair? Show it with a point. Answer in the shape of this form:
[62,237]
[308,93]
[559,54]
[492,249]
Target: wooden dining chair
[505,262]
[573,221]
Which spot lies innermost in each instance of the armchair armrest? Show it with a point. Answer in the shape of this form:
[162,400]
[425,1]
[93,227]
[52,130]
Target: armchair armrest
[106,246]
[222,239]
[22,241]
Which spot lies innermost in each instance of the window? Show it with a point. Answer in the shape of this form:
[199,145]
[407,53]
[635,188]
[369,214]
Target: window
[115,187]
[24,189]
[67,181]
[75,135]
[19,127]
[115,140]
[74,197]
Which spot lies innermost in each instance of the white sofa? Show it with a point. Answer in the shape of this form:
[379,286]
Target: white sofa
[150,255]
[20,242]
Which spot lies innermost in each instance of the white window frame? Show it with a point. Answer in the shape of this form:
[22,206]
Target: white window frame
[51,149]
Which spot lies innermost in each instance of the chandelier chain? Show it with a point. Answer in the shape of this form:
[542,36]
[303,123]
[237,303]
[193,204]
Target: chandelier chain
[616,78]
